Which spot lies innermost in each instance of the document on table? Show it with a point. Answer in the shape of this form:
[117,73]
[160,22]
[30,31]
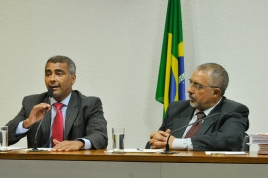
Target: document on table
[15,148]
[258,138]
[225,153]
[42,149]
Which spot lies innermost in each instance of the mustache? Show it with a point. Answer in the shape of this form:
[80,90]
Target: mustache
[192,97]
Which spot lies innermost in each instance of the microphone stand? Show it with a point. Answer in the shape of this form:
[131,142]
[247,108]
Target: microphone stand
[35,149]
[167,150]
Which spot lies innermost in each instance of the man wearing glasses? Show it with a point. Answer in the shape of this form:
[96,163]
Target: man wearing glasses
[220,131]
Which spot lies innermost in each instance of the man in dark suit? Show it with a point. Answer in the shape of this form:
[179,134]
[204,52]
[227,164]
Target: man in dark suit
[219,132]
[83,125]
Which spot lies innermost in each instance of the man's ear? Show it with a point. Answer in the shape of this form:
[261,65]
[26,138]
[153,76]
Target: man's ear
[216,92]
[73,78]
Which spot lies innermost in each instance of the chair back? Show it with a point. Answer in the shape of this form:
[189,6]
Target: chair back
[245,146]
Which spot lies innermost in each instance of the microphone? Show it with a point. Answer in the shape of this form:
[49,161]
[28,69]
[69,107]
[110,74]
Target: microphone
[234,114]
[35,149]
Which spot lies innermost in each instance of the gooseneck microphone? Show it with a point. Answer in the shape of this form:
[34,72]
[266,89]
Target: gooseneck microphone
[35,149]
[234,114]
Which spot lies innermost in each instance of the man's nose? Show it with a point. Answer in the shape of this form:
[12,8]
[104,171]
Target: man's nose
[52,78]
[190,89]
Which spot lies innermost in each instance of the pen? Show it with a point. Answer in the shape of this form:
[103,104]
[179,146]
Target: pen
[139,149]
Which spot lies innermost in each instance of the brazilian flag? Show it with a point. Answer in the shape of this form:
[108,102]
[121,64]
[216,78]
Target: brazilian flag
[171,82]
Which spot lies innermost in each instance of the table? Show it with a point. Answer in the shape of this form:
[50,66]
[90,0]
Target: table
[99,163]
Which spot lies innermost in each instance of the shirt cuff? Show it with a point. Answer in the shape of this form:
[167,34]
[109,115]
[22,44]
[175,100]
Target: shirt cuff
[20,129]
[182,144]
[87,143]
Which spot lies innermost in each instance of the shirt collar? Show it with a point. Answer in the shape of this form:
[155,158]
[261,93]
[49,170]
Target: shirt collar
[207,111]
[65,101]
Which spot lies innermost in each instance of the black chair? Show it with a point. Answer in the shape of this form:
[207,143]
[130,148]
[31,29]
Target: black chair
[245,146]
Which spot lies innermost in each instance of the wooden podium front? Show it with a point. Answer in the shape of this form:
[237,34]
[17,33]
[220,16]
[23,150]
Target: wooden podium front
[99,163]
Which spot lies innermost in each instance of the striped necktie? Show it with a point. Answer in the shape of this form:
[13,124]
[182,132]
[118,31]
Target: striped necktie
[193,130]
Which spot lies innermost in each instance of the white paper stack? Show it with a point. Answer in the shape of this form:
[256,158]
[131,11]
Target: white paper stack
[262,140]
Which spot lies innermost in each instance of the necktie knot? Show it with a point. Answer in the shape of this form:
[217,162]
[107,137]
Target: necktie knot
[58,105]
[200,115]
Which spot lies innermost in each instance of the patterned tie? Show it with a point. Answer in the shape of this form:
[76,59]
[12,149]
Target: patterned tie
[57,128]
[193,130]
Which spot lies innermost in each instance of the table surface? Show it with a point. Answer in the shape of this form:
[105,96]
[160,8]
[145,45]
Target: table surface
[103,155]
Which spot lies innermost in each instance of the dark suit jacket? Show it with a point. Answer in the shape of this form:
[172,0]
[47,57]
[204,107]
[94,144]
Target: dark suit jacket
[84,119]
[219,132]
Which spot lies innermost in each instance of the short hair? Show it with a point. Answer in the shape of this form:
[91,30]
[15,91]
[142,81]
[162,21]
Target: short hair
[218,75]
[63,59]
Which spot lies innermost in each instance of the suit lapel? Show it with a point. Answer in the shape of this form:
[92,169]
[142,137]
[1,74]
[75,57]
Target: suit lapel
[183,120]
[207,123]
[45,126]
[71,113]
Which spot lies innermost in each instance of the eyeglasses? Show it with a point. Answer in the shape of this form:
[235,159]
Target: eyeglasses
[197,86]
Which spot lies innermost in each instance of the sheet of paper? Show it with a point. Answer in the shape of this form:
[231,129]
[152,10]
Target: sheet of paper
[10,148]
[43,149]
[15,148]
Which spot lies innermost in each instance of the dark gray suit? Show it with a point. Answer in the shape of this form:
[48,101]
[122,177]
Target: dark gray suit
[84,119]
[219,132]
